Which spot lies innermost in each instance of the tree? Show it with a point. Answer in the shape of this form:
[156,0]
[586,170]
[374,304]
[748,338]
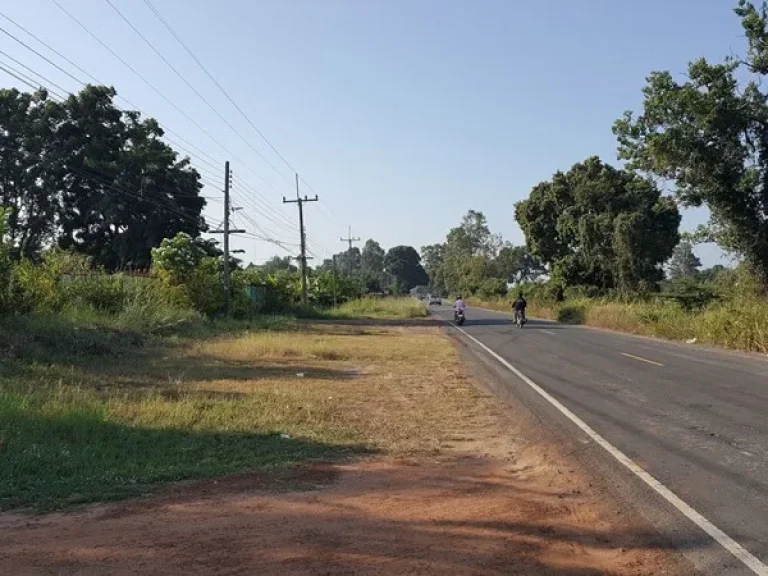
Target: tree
[372,258]
[26,183]
[684,263]
[348,262]
[517,264]
[403,263]
[85,175]
[596,225]
[372,263]
[178,257]
[276,263]
[122,188]
[433,257]
[709,136]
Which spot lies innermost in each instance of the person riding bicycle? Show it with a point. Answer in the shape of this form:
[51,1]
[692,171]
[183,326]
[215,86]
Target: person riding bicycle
[458,306]
[519,306]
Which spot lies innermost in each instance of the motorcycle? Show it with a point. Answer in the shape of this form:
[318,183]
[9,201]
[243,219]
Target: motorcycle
[458,316]
[520,319]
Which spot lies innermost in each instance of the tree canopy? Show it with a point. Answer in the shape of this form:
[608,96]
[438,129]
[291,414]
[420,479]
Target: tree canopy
[85,175]
[277,264]
[601,226]
[472,260]
[709,136]
[403,263]
[684,263]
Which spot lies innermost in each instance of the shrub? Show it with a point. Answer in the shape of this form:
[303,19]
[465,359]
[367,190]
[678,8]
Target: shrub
[492,288]
[100,291]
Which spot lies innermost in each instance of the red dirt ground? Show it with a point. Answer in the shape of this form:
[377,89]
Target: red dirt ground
[464,516]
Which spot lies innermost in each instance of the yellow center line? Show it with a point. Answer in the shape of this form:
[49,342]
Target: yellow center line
[641,359]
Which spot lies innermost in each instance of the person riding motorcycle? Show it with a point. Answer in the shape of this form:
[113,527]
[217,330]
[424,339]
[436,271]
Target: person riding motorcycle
[519,306]
[458,306]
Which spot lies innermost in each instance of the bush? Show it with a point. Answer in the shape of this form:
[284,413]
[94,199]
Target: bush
[100,291]
[492,288]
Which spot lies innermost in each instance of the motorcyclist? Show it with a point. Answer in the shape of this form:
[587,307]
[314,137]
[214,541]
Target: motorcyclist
[458,306]
[519,306]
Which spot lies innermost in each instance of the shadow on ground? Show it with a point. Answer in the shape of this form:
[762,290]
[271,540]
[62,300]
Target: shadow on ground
[461,517]
[60,459]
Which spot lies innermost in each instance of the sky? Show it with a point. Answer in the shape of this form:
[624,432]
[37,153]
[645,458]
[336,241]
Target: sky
[400,114]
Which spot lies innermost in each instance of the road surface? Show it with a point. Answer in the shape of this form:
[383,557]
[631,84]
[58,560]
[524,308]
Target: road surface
[696,419]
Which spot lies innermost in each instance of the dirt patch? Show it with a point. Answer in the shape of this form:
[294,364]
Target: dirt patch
[465,516]
[468,493]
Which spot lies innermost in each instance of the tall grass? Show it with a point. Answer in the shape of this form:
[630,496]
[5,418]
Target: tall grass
[740,323]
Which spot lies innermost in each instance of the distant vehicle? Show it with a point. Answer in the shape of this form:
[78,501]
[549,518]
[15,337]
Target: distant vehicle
[435,300]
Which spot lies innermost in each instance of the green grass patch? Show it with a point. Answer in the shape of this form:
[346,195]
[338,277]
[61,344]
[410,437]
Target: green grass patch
[64,449]
[93,411]
[380,309]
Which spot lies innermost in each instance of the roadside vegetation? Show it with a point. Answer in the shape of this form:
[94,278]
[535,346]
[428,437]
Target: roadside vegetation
[603,244]
[728,313]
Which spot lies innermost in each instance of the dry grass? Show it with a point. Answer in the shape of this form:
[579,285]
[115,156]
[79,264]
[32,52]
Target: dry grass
[394,389]
[740,323]
[111,428]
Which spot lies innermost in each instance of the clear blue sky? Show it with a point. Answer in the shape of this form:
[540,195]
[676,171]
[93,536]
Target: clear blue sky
[401,114]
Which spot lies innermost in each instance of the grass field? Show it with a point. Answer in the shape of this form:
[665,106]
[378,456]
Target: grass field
[88,414]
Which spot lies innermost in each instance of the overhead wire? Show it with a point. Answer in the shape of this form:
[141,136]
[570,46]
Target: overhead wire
[274,216]
[213,79]
[194,57]
[195,90]
[158,92]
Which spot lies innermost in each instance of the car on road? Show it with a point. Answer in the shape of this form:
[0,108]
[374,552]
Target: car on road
[435,300]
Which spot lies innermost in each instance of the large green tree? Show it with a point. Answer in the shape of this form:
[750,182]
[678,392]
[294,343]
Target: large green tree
[597,225]
[88,176]
[516,264]
[372,263]
[709,136]
[433,259]
[123,188]
[403,263]
[28,187]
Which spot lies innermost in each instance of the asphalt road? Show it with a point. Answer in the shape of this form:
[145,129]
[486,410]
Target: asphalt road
[694,418]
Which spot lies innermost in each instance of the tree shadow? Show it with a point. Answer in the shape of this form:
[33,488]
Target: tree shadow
[58,459]
[379,518]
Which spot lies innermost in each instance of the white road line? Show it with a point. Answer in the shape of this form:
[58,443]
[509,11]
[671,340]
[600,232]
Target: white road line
[548,332]
[641,359]
[741,553]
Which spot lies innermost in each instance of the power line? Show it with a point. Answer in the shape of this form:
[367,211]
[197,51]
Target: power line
[275,214]
[61,91]
[197,61]
[213,166]
[89,75]
[19,78]
[195,90]
[219,86]
[51,62]
[155,89]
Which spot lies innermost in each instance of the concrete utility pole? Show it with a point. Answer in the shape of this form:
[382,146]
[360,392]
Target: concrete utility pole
[227,231]
[302,236]
[349,239]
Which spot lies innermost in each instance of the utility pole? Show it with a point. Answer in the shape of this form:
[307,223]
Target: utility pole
[227,231]
[349,239]
[302,237]
[335,301]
